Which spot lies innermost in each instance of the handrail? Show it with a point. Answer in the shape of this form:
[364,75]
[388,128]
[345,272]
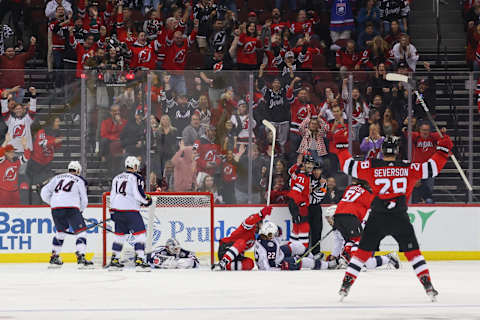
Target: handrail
[436,12]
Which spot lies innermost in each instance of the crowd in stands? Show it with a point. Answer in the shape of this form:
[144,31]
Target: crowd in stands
[199,56]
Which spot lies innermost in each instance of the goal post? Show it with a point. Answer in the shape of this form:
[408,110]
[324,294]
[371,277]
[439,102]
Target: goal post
[185,216]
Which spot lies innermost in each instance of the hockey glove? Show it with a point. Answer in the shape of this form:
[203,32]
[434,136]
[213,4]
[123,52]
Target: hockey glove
[149,199]
[445,145]
[295,217]
[266,211]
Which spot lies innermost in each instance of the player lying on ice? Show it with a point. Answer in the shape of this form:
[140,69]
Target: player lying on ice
[346,219]
[270,255]
[231,249]
[392,183]
[172,256]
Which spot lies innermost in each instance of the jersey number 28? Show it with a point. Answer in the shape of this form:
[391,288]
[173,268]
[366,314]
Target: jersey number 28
[398,185]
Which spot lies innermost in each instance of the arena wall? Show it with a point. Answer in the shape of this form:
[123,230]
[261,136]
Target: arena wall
[445,232]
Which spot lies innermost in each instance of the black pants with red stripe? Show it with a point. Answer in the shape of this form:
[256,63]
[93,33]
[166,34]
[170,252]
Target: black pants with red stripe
[68,217]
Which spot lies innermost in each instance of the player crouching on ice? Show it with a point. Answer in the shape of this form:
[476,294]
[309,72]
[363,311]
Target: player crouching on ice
[66,194]
[392,183]
[126,198]
[172,256]
[270,255]
[231,249]
[346,219]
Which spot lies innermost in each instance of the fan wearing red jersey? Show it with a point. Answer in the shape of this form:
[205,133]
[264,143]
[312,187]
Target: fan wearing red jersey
[230,252]
[9,168]
[392,182]
[347,221]
[298,198]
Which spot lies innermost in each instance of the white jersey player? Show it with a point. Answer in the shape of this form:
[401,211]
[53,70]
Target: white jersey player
[126,197]
[67,196]
[343,250]
[172,256]
[271,255]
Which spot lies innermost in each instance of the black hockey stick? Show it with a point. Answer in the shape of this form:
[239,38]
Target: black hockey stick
[98,224]
[311,249]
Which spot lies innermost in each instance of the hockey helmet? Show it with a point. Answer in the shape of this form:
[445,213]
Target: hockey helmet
[75,166]
[132,163]
[390,146]
[173,246]
[308,158]
[269,229]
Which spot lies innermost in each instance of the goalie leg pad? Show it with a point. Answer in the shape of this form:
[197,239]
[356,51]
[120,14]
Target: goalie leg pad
[185,263]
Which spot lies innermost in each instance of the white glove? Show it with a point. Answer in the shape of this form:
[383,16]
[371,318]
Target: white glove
[169,263]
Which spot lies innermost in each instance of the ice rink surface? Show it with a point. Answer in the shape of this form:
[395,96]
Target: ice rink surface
[31,291]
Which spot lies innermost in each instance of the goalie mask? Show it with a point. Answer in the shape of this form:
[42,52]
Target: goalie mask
[269,230]
[173,246]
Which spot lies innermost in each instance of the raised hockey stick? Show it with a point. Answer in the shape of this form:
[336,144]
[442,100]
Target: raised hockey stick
[272,128]
[98,224]
[311,249]
[403,78]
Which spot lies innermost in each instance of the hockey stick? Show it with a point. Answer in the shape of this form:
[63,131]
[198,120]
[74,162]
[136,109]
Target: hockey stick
[311,249]
[98,224]
[403,78]
[272,128]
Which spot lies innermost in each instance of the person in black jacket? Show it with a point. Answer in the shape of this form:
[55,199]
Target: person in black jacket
[333,195]
[133,135]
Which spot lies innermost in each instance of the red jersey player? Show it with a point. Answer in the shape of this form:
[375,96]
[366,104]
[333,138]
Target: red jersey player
[347,223]
[298,198]
[392,182]
[232,248]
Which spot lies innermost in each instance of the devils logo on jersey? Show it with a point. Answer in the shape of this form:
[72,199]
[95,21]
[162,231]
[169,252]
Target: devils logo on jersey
[10,174]
[18,130]
[144,55]
[227,170]
[218,66]
[249,47]
[425,145]
[180,56]
[302,113]
[210,156]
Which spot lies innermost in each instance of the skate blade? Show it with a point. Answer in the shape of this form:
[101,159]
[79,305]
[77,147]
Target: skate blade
[114,269]
[53,266]
[91,267]
[342,296]
[140,269]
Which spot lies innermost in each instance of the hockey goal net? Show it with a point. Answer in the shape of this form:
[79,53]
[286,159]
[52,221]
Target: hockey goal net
[187,217]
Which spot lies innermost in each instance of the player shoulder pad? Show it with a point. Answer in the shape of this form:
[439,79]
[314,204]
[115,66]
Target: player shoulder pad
[84,180]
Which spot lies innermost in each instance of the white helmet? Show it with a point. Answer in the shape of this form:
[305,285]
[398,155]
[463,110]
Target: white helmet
[75,165]
[173,246]
[331,211]
[132,163]
[268,227]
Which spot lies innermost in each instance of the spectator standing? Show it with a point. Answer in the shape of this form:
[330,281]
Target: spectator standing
[248,45]
[110,144]
[369,13]
[19,120]
[208,185]
[166,141]
[241,123]
[133,135]
[193,131]
[185,170]
[347,58]
[395,33]
[9,172]
[365,38]
[341,20]
[373,118]
[209,152]
[59,33]
[371,146]
[332,195]
[229,177]
[391,10]
[203,111]
[12,67]
[180,112]
[313,132]
[52,7]
[5,34]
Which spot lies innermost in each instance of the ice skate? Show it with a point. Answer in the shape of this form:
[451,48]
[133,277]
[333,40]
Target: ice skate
[393,260]
[55,261]
[141,265]
[347,283]
[115,264]
[427,284]
[82,262]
